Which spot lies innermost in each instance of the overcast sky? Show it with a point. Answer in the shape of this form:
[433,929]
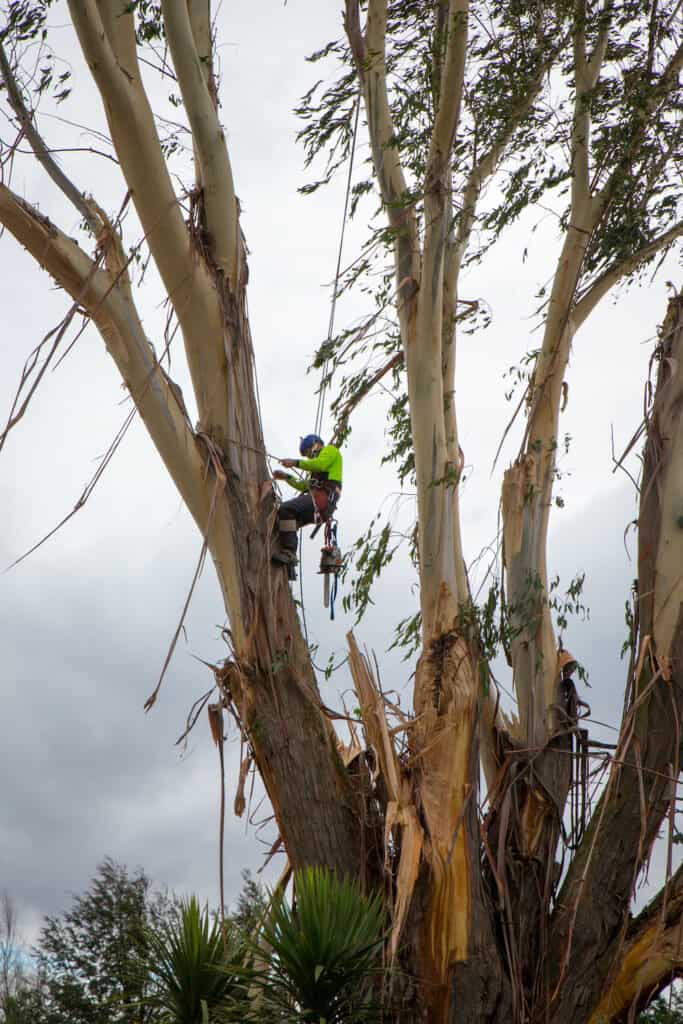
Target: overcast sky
[86,621]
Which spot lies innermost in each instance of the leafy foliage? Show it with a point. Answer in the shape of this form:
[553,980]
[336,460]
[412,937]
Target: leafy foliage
[194,964]
[25,20]
[323,950]
[19,992]
[250,909]
[664,1010]
[372,553]
[93,959]
[517,122]
[127,954]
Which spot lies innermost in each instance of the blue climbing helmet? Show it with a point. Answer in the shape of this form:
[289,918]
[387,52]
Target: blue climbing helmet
[308,441]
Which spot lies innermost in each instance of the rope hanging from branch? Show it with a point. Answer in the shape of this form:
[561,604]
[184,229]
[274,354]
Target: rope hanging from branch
[330,330]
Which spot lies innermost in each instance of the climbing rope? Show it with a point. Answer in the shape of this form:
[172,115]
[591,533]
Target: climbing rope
[330,330]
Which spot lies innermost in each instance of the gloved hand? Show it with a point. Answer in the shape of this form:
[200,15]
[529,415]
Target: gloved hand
[279,475]
[288,462]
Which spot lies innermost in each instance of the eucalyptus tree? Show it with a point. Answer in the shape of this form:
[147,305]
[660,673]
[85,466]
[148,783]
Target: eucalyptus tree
[474,111]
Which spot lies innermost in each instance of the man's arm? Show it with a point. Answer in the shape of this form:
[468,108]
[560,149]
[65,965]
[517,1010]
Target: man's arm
[294,481]
[322,462]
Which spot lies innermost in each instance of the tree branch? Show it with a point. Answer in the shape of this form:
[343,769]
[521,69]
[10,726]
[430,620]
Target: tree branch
[580,140]
[667,80]
[199,12]
[595,62]
[488,164]
[597,291]
[220,202]
[452,82]
[651,956]
[105,294]
[185,276]
[38,146]
[370,56]
[348,406]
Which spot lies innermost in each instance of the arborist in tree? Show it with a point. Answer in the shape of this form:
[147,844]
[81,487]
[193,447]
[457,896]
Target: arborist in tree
[577,743]
[566,667]
[321,491]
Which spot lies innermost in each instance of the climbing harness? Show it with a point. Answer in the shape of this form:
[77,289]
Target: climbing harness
[330,565]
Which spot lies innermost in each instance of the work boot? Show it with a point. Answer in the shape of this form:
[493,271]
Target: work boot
[283,556]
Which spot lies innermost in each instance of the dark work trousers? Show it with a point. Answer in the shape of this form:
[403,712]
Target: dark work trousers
[292,515]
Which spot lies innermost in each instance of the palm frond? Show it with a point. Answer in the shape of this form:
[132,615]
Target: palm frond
[323,951]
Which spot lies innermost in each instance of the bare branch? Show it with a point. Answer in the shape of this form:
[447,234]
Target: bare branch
[597,291]
[85,494]
[55,336]
[108,44]
[43,154]
[104,296]
[369,56]
[220,202]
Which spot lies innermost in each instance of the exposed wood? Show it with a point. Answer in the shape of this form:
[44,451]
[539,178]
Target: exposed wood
[649,958]
[400,812]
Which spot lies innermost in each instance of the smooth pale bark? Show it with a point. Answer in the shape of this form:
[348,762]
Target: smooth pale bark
[218,192]
[107,37]
[528,484]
